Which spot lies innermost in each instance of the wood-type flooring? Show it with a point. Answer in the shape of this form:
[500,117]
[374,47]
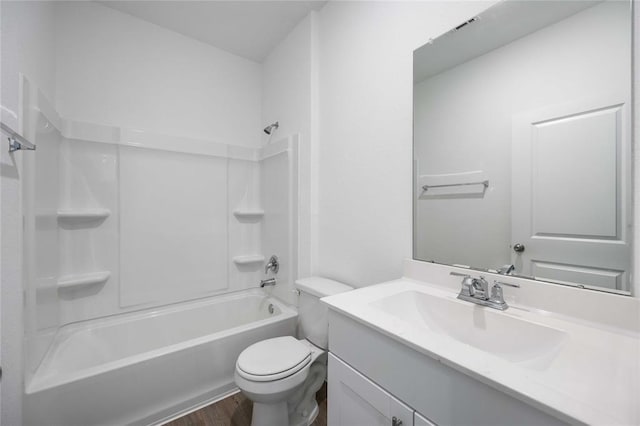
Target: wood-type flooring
[236,410]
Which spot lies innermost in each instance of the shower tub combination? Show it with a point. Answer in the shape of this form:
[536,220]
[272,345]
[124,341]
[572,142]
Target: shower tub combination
[147,367]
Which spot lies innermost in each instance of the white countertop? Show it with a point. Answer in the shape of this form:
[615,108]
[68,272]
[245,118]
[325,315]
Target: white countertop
[593,377]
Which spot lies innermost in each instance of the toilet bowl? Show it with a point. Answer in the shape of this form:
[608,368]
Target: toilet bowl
[272,372]
[282,375]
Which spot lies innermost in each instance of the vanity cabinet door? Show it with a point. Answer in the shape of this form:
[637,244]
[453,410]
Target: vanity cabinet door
[419,420]
[355,400]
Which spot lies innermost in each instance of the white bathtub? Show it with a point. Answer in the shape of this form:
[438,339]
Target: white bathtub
[146,367]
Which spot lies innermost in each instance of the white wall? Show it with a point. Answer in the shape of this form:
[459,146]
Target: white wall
[365,129]
[288,97]
[115,69]
[26,46]
[552,66]
[636,166]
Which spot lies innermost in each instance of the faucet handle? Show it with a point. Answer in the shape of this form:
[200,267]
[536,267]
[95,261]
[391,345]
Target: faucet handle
[272,265]
[497,295]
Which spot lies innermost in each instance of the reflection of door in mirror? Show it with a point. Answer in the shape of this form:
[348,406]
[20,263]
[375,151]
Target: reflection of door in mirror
[570,192]
[533,98]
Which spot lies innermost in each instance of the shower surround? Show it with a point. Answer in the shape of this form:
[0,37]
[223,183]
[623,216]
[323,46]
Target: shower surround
[126,227]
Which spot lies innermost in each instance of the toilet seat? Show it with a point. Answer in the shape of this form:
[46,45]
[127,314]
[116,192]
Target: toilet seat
[273,359]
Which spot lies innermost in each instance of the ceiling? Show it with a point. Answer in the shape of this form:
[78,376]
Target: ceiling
[246,28]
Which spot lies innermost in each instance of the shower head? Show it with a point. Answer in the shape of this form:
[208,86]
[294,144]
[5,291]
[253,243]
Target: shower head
[271,127]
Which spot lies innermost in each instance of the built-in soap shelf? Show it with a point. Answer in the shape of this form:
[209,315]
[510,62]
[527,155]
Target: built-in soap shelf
[77,281]
[248,259]
[83,215]
[248,215]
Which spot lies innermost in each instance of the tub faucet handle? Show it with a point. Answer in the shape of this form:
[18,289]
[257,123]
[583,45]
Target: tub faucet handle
[272,265]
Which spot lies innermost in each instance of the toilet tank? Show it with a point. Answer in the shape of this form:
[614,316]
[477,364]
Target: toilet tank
[312,314]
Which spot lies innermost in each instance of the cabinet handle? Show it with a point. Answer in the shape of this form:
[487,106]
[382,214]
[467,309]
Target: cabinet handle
[395,421]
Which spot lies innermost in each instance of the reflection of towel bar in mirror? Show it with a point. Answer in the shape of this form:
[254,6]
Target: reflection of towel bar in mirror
[485,183]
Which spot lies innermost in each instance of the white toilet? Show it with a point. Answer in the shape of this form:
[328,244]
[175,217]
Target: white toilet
[282,375]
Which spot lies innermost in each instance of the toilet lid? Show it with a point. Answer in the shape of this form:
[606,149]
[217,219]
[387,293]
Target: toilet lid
[273,359]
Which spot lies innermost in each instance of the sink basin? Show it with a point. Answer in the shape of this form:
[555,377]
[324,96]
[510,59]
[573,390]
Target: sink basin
[513,339]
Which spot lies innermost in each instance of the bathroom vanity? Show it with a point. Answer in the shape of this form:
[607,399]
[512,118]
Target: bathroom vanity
[410,350]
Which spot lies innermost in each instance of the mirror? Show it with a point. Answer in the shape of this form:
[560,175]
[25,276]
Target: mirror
[522,143]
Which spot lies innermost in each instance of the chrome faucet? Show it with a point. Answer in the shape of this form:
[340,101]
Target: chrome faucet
[476,290]
[272,265]
[268,282]
[506,269]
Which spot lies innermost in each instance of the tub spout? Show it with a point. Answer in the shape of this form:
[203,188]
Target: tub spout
[269,282]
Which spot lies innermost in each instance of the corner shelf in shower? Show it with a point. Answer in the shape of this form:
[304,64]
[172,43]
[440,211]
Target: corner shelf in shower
[248,215]
[82,215]
[73,282]
[248,259]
